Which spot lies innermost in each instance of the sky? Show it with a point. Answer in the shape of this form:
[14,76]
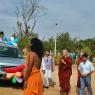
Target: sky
[74,16]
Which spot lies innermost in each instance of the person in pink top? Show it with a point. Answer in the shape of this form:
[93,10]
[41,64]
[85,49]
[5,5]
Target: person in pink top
[1,37]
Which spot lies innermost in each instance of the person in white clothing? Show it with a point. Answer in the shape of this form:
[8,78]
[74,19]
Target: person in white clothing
[47,67]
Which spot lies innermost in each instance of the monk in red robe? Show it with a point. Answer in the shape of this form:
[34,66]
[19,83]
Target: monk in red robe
[65,72]
[79,60]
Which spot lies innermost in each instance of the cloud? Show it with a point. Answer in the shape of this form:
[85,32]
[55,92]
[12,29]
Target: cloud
[74,16]
[7,16]
[7,23]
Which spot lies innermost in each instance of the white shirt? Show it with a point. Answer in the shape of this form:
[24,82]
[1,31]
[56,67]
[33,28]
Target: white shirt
[86,67]
[47,63]
[12,39]
[43,64]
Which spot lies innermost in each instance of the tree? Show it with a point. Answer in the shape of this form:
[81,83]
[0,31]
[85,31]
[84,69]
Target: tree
[49,44]
[26,13]
[86,50]
[64,41]
[88,43]
[24,41]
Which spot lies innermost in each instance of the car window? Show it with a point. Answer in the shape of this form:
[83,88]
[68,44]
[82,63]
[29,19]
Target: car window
[10,52]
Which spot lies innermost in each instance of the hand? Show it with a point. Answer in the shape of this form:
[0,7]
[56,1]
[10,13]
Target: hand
[62,60]
[25,85]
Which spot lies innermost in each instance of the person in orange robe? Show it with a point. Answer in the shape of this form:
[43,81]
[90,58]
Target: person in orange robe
[65,72]
[33,84]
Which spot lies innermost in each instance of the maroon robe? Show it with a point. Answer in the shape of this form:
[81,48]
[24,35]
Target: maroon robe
[79,60]
[65,72]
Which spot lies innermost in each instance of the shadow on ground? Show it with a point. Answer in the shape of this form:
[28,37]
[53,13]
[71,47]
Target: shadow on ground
[8,84]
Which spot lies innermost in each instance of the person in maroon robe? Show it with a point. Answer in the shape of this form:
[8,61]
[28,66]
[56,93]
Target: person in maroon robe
[65,72]
[79,60]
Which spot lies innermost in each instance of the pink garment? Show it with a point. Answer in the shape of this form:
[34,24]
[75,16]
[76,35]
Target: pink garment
[0,39]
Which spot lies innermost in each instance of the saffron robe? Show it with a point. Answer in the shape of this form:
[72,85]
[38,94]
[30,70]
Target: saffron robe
[34,82]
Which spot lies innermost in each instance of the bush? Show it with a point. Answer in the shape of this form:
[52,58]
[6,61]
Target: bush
[57,59]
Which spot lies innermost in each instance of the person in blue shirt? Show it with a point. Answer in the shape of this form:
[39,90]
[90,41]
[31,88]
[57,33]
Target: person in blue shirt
[86,68]
[14,40]
[4,39]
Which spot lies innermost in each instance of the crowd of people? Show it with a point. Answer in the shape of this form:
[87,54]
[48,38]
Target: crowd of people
[37,59]
[12,41]
[2,37]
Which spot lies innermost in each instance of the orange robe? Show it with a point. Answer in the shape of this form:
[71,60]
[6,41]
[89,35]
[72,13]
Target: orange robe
[34,82]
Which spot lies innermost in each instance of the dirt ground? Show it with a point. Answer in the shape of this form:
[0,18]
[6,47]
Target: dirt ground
[9,90]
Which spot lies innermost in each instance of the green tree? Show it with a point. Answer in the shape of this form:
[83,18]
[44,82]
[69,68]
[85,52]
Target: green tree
[64,41]
[49,44]
[86,50]
[88,43]
[24,41]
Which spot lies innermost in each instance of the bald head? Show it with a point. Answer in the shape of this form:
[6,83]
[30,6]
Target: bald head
[65,52]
